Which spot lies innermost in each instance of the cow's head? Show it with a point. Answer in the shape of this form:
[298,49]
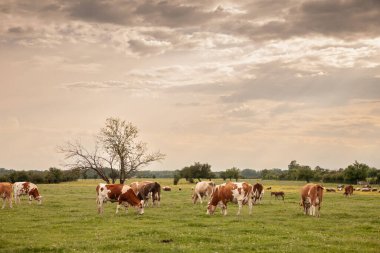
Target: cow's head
[39,199]
[140,207]
[210,209]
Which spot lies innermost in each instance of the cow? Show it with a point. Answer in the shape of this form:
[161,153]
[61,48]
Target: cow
[6,193]
[258,193]
[330,190]
[311,199]
[366,189]
[203,189]
[231,192]
[348,190]
[167,188]
[26,188]
[123,194]
[146,190]
[277,195]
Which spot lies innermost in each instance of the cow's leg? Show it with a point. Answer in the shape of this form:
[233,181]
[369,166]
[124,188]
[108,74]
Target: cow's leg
[3,203]
[30,199]
[240,203]
[100,203]
[10,201]
[250,205]
[200,198]
[224,209]
[117,208]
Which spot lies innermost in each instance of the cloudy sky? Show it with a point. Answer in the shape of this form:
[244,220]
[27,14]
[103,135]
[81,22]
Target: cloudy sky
[248,83]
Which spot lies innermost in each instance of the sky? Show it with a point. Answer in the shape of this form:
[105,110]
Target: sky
[243,83]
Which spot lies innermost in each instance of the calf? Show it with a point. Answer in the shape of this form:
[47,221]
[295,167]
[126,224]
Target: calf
[277,195]
[6,193]
[166,188]
[230,192]
[26,188]
[348,190]
[311,199]
[203,189]
[123,194]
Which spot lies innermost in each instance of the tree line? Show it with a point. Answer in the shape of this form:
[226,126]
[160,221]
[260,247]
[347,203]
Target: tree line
[351,174]
[50,176]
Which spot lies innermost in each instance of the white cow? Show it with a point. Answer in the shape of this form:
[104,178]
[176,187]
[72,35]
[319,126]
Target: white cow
[203,189]
[26,188]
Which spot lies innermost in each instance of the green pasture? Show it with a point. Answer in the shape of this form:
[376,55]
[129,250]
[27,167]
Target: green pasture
[67,221]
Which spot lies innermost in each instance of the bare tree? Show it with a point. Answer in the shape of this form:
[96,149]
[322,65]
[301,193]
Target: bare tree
[119,149]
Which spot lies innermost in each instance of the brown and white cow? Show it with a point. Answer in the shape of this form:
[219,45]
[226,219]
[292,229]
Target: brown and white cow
[311,199]
[123,194]
[26,188]
[239,193]
[147,190]
[348,190]
[6,193]
[258,193]
[203,189]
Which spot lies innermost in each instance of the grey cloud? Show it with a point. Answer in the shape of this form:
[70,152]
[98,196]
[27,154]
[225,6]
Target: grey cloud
[102,11]
[346,19]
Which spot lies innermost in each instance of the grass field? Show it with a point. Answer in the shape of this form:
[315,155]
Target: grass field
[67,221]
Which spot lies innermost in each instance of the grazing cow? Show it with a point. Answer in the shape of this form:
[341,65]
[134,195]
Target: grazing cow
[374,189]
[26,188]
[6,193]
[366,189]
[231,192]
[166,188]
[311,199]
[348,190]
[123,194]
[330,190]
[203,189]
[357,189]
[146,190]
[258,193]
[277,195]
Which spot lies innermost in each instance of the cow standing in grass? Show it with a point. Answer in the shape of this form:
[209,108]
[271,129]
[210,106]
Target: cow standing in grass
[123,194]
[203,189]
[311,199]
[239,193]
[348,190]
[258,193]
[6,193]
[26,188]
[147,190]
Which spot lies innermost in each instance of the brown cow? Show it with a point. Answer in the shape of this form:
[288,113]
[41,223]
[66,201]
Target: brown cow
[230,192]
[311,199]
[277,195]
[258,193]
[6,193]
[123,194]
[348,190]
[146,190]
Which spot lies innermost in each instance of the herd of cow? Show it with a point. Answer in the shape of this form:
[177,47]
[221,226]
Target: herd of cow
[138,194]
